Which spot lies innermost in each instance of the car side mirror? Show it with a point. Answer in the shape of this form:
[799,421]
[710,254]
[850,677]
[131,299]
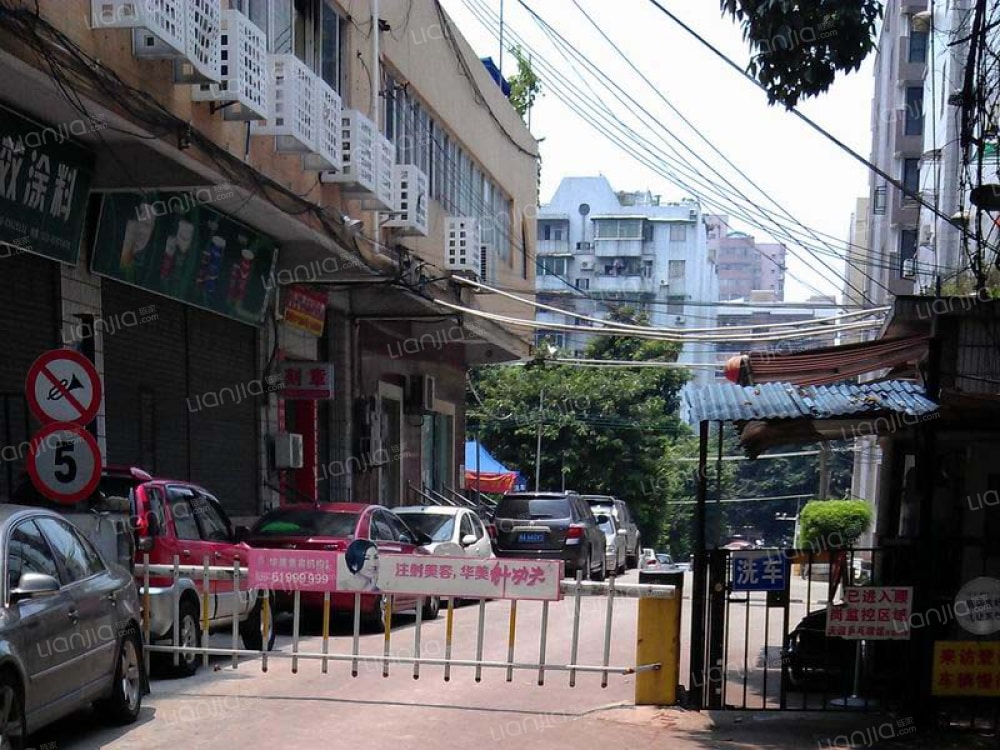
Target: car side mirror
[405,538]
[34,586]
[468,540]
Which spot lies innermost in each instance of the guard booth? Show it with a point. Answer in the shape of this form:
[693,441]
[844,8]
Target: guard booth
[760,636]
[929,434]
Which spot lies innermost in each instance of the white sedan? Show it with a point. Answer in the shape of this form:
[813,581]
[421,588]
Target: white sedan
[453,531]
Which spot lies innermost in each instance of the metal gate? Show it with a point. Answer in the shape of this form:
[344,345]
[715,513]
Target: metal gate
[768,650]
[587,655]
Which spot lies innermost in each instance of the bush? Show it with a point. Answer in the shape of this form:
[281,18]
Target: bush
[826,524]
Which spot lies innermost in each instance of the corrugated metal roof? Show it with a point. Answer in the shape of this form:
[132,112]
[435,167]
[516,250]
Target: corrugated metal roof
[727,402]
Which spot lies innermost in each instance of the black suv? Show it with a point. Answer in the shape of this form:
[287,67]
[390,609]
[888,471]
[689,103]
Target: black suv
[551,526]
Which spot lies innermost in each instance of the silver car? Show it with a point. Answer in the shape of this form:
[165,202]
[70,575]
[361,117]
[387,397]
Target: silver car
[69,630]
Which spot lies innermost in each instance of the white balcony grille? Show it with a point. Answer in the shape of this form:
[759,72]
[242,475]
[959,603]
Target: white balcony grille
[409,200]
[244,84]
[203,24]
[462,245]
[328,154]
[293,105]
[357,165]
[162,28]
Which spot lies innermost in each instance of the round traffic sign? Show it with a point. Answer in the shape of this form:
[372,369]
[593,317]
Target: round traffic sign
[64,462]
[63,386]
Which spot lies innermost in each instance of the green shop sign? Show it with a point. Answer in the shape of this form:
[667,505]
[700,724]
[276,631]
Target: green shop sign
[174,244]
[44,182]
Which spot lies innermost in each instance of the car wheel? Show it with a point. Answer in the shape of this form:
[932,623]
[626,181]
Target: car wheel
[602,572]
[11,713]
[432,606]
[250,629]
[122,707]
[190,637]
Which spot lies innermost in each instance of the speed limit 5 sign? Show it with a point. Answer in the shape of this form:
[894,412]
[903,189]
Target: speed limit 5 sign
[64,462]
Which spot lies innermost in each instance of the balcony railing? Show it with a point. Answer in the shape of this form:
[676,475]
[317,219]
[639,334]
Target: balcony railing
[618,248]
[553,247]
[623,284]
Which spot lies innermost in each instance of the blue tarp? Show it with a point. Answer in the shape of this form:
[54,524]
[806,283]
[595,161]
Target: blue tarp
[487,464]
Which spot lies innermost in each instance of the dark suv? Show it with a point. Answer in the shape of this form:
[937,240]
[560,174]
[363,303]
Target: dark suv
[551,526]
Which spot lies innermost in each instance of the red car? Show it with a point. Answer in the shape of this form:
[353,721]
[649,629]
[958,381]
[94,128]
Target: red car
[333,526]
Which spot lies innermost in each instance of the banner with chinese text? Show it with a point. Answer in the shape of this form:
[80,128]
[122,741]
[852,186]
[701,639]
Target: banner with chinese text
[966,668]
[875,613]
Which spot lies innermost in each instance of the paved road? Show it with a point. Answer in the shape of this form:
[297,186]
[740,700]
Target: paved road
[221,707]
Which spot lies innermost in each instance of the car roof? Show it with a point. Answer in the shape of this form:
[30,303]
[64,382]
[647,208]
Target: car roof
[438,510]
[599,498]
[558,495]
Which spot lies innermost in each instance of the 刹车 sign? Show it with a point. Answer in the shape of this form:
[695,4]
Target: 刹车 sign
[177,245]
[44,183]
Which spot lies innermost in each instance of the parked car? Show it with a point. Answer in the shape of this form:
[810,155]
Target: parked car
[551,526]
[452,531]
[177,518]
[623,516]
[70,632]
[167,518]
[647,558]
[614,540]
[665,561]
[813,658]
[333,526]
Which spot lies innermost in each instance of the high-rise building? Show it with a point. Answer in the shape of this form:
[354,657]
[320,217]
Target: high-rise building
[745,265]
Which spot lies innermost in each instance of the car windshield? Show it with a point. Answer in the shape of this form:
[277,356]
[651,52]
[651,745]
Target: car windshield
[534,507]
[306,522]
[438,526]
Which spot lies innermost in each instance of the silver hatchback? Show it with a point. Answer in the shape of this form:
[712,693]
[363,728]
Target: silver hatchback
[69,627]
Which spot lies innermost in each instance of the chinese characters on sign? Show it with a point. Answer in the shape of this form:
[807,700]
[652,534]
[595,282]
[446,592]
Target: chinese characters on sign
[290,570]
[872,613]
[303,310]
[44,182]
[307,380]
[465,578]
[760,571]
[966,668]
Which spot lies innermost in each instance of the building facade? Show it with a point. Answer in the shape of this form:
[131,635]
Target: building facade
[245,223]
[745,265]
[600,250]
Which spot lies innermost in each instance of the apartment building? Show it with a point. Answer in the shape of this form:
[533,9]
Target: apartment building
[244,214]
[745,265]
[599,250]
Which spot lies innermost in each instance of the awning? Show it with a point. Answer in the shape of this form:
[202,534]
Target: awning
[773,414]
[484,473]
[830,364]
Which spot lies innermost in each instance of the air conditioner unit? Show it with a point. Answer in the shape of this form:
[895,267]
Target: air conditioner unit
[680,320]
[328,153]
[664,282]
[586,265]
[410,192]
[183,30]
[384,154]
[292,119]
[243,86]
[693,214]
[358,170]
[420,392]
[462,245]
[288,451]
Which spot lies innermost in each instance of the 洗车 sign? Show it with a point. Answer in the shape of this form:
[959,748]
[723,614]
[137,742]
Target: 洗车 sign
[44,182]
[177,245]
[760,570]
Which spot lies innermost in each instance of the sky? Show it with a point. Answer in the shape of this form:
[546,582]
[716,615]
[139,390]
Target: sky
[806,175]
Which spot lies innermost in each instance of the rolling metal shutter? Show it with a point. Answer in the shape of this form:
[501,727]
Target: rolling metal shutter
[178,397]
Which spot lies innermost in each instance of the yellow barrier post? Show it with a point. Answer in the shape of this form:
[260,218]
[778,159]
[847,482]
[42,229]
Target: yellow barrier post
[658,641]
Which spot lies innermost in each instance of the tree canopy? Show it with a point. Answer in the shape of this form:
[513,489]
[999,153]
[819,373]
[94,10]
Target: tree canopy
[799,46]
[524,85]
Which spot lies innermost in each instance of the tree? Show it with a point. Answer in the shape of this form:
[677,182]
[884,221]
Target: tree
[832,524]
[604,430]
[524,85]
[799,46]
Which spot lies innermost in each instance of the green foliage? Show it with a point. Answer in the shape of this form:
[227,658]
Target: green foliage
[524,85]
[604,430]
[825,524]
[799,46]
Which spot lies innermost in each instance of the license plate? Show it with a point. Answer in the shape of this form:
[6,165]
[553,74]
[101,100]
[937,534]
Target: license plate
[531,538]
